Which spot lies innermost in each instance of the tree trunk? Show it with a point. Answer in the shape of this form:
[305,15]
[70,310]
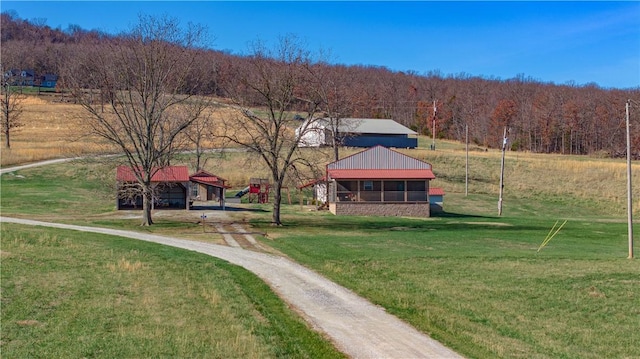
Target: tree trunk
[277,199]
[335,140]
[198,157]
[147,204]
[7,143]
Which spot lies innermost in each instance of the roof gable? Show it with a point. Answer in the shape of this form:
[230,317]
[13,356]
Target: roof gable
[379,157]
[381,174]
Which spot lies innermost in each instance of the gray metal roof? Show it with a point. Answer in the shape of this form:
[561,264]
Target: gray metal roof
[372,125]
[379,157]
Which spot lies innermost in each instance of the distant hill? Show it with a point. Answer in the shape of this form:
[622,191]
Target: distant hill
[542,117]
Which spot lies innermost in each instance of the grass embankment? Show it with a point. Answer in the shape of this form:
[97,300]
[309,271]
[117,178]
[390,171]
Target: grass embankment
[66,294]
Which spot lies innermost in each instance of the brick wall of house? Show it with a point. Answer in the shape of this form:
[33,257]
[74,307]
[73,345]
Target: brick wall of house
[380,209]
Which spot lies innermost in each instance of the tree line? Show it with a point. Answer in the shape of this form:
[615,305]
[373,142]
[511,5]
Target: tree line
[541,117]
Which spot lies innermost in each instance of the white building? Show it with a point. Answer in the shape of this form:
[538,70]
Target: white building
[356,132]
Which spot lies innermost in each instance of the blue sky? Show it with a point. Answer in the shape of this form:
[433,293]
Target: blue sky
[559,42]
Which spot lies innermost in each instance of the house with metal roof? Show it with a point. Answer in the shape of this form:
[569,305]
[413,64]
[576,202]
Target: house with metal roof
[357,132]
[381,182]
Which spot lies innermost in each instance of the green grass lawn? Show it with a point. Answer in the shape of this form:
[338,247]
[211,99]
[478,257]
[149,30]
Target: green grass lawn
[469,278]
[68,294]
[478,284]
[66,190]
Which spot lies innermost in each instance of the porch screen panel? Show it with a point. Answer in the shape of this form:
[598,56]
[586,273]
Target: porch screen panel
[416,191]
[394,191]
[371,191]
[346,190]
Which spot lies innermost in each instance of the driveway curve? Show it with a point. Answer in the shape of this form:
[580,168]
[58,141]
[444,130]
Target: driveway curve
[357,327]
[36,164]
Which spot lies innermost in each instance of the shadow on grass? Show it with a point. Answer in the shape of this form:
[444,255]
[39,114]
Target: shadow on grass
[449,221]
[228,209]
[459,215]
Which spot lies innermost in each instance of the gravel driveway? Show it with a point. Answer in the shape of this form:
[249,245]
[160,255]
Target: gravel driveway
[357,327]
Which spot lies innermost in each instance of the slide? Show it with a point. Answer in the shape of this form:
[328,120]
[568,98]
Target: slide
[242,192]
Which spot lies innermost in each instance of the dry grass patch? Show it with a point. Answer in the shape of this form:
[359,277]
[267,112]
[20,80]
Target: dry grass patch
[50,130]
[55,129]
[125,265]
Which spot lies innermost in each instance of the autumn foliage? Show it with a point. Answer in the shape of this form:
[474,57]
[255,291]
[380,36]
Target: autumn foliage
[542,117]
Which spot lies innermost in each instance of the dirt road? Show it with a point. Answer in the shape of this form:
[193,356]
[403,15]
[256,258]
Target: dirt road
[357,327]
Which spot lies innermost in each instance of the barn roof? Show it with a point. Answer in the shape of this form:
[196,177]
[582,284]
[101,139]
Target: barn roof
[370,125]
[164,174]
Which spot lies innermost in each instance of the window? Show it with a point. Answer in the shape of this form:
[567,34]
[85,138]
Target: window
[367,185]
[370,191]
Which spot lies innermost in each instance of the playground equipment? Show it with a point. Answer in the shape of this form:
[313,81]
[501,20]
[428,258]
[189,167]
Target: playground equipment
[258,189]
[242,192]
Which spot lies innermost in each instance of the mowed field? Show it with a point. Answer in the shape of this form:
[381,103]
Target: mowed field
[478,282]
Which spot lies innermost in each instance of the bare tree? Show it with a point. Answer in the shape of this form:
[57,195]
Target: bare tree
[196,134]
[275,83]
[145,79]
[11,103]
[330,92]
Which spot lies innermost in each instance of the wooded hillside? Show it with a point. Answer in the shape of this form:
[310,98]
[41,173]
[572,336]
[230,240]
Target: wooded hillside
[542,117]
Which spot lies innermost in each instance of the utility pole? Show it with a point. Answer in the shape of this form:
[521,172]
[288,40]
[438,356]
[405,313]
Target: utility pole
[504,147]
[433,131]
[629,192]
[466,167]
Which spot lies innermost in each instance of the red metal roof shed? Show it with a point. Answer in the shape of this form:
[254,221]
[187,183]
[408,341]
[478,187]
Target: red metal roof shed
[164,174]
[436,191]
[207,178]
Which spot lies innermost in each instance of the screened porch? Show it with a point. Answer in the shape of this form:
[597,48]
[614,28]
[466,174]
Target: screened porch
[379,191]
